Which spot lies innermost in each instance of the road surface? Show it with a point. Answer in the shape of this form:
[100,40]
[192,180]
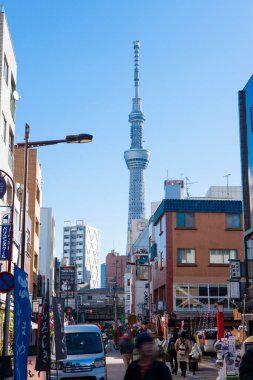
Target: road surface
[116,371]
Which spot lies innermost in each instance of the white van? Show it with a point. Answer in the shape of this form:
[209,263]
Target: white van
[85,355]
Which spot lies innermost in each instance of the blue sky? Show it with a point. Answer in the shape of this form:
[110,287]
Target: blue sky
[75,74]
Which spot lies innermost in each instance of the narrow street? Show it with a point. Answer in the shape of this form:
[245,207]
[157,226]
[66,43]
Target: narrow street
[115,368]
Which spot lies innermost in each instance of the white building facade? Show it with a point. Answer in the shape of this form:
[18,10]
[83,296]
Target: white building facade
[81,246]
[47,245]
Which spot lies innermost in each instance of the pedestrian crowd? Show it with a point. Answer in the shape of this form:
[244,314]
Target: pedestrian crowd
[145,354]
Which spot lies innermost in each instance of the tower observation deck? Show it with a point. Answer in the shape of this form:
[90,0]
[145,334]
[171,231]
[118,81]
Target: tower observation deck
[137,157]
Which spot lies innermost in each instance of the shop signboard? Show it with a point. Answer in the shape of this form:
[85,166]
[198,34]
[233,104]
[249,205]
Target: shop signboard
[235,269]
[235,290]
[67,281]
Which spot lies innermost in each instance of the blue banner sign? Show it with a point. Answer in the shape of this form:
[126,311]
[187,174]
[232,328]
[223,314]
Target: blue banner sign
[5,242]
[22,323]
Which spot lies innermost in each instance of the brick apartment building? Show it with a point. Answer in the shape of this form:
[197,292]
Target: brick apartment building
[34,204]
[115,269]
[194,240]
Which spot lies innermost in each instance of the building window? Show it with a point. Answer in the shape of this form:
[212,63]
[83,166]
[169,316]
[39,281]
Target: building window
[35,261]
[233,221]
[11,141]
[161,226]
[4,132]
[37,227]
[222,256]
[128,282]
[185,220]
[38,194]
[12,98]
[186,256]
[162,260]
[190,297]
[89,297]
[6,70]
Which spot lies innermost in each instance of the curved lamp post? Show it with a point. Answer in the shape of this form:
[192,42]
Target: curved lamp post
[79,139]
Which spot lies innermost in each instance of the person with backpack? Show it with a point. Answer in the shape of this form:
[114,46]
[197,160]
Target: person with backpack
[183,348]
[194,355]
[172,353]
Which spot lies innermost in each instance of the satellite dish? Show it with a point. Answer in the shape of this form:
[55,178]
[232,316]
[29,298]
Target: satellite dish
[16,95]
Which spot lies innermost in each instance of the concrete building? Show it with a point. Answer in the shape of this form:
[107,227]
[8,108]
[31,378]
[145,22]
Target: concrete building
[81,246]
[103,275]
[115,269]
[34,205]
[137,157]
[47,245]
[8,80]
[225,192]
[193,243]
[246,143]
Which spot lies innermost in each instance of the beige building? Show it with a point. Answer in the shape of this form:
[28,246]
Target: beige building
[34,204]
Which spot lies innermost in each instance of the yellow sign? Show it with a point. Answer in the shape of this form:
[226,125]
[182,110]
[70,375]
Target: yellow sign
[132,319]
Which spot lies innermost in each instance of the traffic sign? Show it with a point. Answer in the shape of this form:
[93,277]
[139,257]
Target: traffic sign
[6,282]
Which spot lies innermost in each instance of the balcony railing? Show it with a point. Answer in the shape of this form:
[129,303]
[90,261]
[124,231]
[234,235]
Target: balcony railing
[153,252]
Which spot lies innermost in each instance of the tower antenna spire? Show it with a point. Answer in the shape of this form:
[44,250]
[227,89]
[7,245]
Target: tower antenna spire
[136,67]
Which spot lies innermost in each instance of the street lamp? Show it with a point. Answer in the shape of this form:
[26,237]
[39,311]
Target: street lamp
[81,138]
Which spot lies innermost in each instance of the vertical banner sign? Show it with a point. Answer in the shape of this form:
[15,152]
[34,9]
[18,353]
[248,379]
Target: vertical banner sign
[22,323]
[67,281]
[60,339]
[44,352]
[5,239]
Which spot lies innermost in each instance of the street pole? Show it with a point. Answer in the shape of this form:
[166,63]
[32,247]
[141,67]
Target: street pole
[8,295]
[23,227]
[149,291]
[244,311]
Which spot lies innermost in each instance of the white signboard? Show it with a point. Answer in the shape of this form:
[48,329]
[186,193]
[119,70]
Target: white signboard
[235,290]
[235,269]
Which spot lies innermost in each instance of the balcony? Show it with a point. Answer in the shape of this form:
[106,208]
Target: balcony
[153,252]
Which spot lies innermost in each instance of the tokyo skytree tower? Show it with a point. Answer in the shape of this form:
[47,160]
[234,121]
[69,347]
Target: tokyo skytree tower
[137,157]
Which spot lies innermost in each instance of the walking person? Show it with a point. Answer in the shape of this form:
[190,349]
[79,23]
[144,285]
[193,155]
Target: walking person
[183,348]
[173,353]
[194,355]
[126,349]
[147,367]
[246,366]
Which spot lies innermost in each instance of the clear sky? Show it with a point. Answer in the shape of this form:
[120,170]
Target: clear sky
[75,74]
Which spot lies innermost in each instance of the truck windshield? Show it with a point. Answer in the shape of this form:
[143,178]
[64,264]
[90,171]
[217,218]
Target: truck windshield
[80,343]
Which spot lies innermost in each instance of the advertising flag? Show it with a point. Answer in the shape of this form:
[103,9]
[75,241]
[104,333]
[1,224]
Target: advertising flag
[44,352]
[60,339]
[22,323]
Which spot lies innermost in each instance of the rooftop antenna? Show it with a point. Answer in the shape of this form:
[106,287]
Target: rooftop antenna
[167,174]
[188,184]
[227,176]
[136,67]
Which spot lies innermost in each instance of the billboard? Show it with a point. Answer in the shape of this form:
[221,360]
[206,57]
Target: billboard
[67,281]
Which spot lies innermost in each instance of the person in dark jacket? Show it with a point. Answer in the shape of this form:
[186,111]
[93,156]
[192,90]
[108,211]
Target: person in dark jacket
[173,353]
[246,367]
[126,349]
[146,367]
